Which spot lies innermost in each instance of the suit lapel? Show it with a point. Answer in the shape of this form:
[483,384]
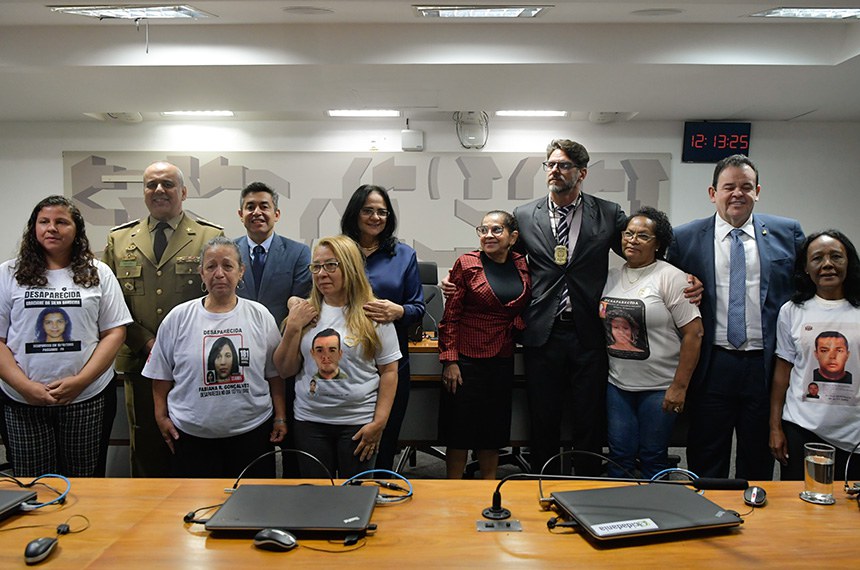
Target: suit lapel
[541,220]
[765,256]
[181,237]
[709,273]
[143,242]
[248,276]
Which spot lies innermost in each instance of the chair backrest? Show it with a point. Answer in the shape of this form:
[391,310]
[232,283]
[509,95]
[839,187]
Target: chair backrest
[433,301]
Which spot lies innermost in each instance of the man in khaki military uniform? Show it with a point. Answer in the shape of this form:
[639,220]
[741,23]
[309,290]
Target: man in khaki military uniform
[152,286]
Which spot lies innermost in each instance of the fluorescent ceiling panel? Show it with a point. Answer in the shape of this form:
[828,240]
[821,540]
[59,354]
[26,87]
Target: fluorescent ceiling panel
[810,13]
[503,11]
[530,113]
[134,12]
[363,113]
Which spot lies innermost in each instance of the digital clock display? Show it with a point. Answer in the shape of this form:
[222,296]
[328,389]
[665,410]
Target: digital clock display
[712,142]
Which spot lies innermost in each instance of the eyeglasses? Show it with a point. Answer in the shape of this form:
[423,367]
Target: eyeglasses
[643,238]
[367,212]
[564,166]
[329,266]
[495,230]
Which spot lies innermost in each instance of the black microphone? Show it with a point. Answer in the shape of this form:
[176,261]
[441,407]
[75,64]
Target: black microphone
[497,512]
[428,314]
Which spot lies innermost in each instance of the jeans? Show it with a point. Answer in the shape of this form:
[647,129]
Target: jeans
[638,427]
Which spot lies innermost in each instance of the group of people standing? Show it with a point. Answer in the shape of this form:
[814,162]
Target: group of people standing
[191,319]
[723,317]
[714,317]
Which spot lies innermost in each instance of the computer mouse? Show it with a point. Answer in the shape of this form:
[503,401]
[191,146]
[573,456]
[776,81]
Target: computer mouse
[39,549]
[275,539]
[755,496]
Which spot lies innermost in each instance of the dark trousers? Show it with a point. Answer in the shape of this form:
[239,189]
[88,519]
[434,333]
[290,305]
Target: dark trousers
[732,397]
[391,433]
[224,457]
[107,425]
[560,375]
[797,437]
[333,446]
[150,456]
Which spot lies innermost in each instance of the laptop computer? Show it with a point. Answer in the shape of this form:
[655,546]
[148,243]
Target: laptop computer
[10,501]
[642,510]
[301,509]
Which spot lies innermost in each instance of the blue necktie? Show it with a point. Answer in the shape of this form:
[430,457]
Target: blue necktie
[257,265]
[563,238]
[736,332]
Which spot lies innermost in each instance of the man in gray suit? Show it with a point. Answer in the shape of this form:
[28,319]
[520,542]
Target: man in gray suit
[276,268]
[567,236]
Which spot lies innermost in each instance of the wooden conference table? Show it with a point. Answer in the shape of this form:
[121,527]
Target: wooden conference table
[137,523]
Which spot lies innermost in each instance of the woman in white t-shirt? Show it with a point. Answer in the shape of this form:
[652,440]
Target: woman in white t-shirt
[653,337]
[815,394]
[219,402]
[339,416]
[59,401]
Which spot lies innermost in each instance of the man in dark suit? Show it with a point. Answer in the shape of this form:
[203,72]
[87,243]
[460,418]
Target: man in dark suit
[567,237]
[157,263]
[746,263]
[276,268]
[279,269]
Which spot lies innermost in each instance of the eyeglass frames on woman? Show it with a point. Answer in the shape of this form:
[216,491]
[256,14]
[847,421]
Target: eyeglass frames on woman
[643,238]
[484,230]
[329,266]
[368,212]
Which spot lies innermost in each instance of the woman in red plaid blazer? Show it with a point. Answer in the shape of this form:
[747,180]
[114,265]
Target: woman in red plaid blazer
[476,346]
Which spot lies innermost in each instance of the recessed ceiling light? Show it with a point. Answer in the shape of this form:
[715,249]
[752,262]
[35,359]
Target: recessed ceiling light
[197,113]
[502,11]
[530,113]
[657,12]
[164,12]
[810,13]
[363,113]
[307,11]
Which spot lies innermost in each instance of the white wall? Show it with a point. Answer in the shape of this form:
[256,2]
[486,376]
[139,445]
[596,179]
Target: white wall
[810,171]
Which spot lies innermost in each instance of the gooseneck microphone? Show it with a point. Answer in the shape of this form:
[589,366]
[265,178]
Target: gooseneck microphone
[497,512]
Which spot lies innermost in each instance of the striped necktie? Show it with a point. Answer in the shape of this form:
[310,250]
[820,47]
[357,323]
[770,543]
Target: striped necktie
[563,238]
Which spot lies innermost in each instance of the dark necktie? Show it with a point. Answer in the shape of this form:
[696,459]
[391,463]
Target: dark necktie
[159,241]
[257,265]
[563,239]
[736,328]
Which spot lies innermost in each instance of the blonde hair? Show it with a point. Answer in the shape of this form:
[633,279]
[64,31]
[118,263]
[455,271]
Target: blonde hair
[357,289]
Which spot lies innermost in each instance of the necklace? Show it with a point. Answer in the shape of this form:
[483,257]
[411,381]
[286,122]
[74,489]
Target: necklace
[640,272]
[368,250]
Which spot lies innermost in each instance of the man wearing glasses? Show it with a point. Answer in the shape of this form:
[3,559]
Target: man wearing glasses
[567,236]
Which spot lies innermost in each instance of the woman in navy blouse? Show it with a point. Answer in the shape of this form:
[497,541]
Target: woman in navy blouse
[392,268]
[476,346]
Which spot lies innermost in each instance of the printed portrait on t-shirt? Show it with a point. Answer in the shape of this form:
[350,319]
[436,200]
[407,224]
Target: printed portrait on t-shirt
[831,352]
[326,352]
[53,332]
[223,363]
[829,363]
[626,333]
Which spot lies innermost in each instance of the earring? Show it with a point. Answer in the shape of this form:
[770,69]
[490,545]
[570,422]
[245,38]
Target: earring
[203,287]
[241,285]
